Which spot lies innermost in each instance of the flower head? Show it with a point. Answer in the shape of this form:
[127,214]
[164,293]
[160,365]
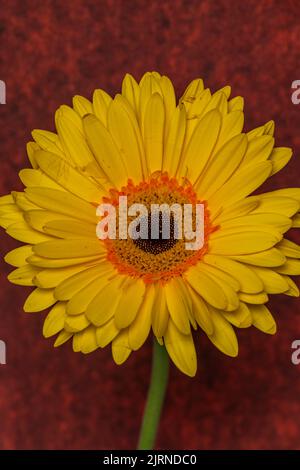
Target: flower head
[142,145]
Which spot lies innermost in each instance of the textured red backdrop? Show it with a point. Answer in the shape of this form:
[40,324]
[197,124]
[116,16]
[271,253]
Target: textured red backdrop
[51,50]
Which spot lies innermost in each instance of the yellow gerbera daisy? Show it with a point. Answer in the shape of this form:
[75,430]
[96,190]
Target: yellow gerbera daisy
[143,145]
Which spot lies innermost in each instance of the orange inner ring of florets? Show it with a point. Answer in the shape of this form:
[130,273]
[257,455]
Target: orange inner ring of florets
[129,258]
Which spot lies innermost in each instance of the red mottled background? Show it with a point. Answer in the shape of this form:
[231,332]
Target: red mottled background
[52,50]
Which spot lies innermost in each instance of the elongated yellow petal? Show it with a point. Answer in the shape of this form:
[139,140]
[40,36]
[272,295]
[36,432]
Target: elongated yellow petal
[273,282]
[35,178]
[106,333]
[18,256]
[140,327]
[200,147]
[62,338]
[222,166]
[154,132]
[69,248]
[289,248]
[124,134]
[178,305]
[80,299]
[51,277]
[280,222]
[88,341]
[105,150]
[262,319]
[129,304]
[259,149]
[131,91]
[70,229]
[54,321]
[73,284]
[276,204]
[101,102]
[42,262]
[82,105]
[120,347]
[291,267]
[232,125]
[206,287]
[268,259]
[241,242]
[24,233]
[280,156]
[68,177]
[241,184]
[254,299]
[248,280]
[24,276]
[241,317]
[72,140]
[75,323]
[223,337]
[103,307]
[181,349]
[39,299]
[61,202]
[160,313]
[48,141]
[174,141]
[201,312]
[237,209]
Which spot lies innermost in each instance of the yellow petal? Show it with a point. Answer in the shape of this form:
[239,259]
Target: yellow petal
[120,347]
[131,91]
[160,313]
[105,150]
[73,284]
[154,132]
[62,202]
[103,306]
[18,256]
[273,282]
[248,280]
[222,166]
[206,287]
[129,304]
[240,317]
[240,242]
[101,102]
[54,321]
[200,147]
[140,327]
[69,229]
[62,338]
[39,299]
[291,267]
[106,333]
[174,141]
[241,184]
[34,178]
[201,312]
[257,299]
[24,233]
[48,278]
[68,177]
[280,156]
[262,319]
[181,349]
[223,337]
[289,248]
[23,276]
[178,304]
[124,134]
[69,248]
[75,323]
[268,259]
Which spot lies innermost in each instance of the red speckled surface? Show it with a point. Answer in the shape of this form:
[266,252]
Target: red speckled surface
[51,50]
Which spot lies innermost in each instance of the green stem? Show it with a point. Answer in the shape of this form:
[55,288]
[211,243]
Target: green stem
[155,398]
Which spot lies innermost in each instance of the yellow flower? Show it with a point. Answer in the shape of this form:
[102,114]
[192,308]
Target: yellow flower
[142,145]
